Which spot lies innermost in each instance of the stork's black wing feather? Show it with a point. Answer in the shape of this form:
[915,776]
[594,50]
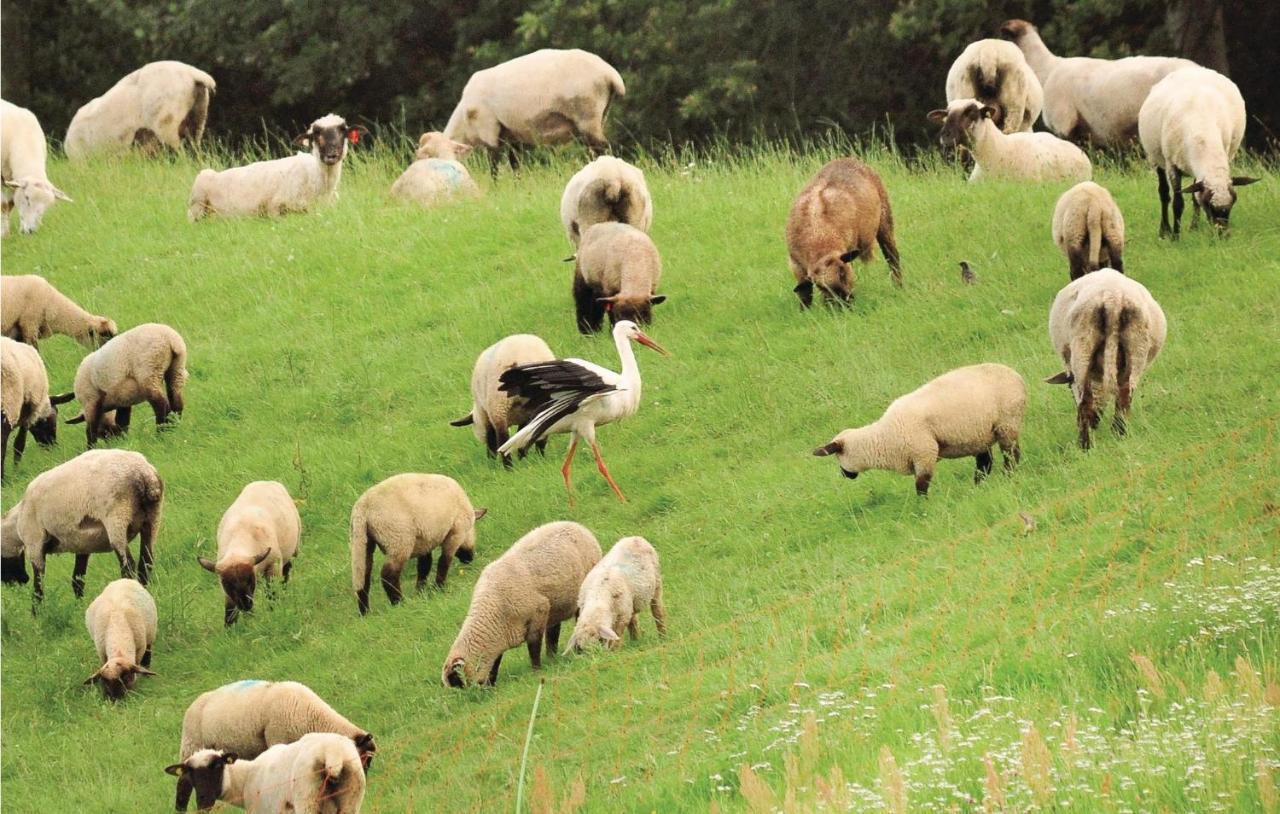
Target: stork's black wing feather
[542,383]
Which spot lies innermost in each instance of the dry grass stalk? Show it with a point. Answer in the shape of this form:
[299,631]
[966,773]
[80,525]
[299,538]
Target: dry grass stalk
[760,798]
[942,716]
[994,799]
[1150,675]
[892,785]
[1036,765]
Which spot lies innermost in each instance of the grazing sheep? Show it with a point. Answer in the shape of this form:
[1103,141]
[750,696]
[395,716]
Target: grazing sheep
[835,219]
[438,174]
[521,598]
[617,271]
[160,103]
[961,413]
[1016,156]
[122,622]
[31,309]
[257,536]
[319,773]
[95,502]
[410,515]
[24,398]
[494,412]
[607,189]
[1192,123]
[997,74]
[614,593]
[284,185]
[1108,330]
[22,169]
[1087,99]
[147,363]
[1089,229]
[547,97]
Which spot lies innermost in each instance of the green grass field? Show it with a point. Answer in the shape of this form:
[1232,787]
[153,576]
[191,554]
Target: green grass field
[848,643]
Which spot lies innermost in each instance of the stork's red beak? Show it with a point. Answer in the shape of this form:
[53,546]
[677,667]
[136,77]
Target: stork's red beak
[649,343]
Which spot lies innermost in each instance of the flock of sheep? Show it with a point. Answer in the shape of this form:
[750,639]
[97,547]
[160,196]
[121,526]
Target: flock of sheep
[269,746]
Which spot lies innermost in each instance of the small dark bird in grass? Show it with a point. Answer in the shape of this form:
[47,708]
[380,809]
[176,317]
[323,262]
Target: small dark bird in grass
[967,274]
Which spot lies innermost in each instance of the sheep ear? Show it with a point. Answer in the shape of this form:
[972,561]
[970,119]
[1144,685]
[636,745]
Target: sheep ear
[175,769]
[988,112]
[1196,187]
[1243,181]
[849,256]
[461,150]
[303,140]
[14,184]
[207,564]
[804,288]
[60,195]
[143,671]
[79,419]
[1064,377]
[834,448]
[92,678]
[230,757]
[258,559]
[465,421]
[608,635]
[937,116]
[612,299]
[658,299]
[61,398]
[481,513]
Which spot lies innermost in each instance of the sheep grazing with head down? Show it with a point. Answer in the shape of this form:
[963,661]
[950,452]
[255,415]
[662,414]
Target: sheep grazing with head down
[835,219]
[521,598]
[621,585]
[437,175]
[959,414]
[617,271]
[493,411]
[1015,156]
[161,103]
[607,189]
[1089,229]
[23,153]
[31,309]
[122,622]
[257,537]
[25,404]
[997,74]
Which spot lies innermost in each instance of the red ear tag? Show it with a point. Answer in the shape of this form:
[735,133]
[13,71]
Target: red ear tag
[608,307]
[354,136]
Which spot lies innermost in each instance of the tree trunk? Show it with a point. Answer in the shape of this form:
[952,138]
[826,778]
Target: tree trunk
[1195,26]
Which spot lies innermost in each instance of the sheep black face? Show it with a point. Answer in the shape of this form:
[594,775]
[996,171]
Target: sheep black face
[959,121]
[239,581]
[834,276]
[638,310]
[328,138]
[1014,30]
[201,773]
[45,431]
[367,748]
[116,678]
[1216,203]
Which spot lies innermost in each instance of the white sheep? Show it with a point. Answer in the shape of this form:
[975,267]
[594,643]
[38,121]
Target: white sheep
[493,411]
[997,74]
[1192,123]
[521,598]
[319,773]
[257,537]
[284,185]
[25,404]
[23,153]
[1087,99]
[161,103]
[409,516]
[961,413]
[437,175]
[31,309]
[617,271]
[95,502]
[607,189]
[122,622]
[621,585]
[1017,156]
[1089,229]
[1108,329]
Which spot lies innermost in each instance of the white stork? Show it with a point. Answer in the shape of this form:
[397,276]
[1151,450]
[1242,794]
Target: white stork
[573,396]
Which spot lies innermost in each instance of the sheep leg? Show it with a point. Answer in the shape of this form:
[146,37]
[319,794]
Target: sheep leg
[424,568]
[604,470]
[284,572]
[889,247]
[493,671]
[552,641]
[1178,202]
[92,417]
[922,483]
[1012,453]
[536,631]
[5,429]
[1078,262]
[659,611]
[984,462]
[160,404]
[534,643]
[19,443]
[123,416]
[501,436]
[147,543]
[1124,392]
[37,584]
[146,657]
[1163,180]
[633,627]
[391,581]
[442,570]
[1085,418]
[491,440]
[589,310]
[1117,262]
[77,575]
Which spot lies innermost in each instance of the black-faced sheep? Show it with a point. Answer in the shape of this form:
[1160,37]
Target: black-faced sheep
[621,585]
[607,189]
[493,411]
[1016,156]
[257,537]
[22,169]
[1089,229]
[122,622]
[617,271]
[25,404]
[997,74]
[31,309]
[161,103]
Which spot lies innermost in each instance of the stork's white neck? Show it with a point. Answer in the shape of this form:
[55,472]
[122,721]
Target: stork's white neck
[630,370]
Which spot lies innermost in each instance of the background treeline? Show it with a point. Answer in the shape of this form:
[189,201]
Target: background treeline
[727,69]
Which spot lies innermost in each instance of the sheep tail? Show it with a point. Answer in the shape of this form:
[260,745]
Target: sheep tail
[616,85]
[175,377]
[148,486]
[361,549]
[1093,227]
[1110,314]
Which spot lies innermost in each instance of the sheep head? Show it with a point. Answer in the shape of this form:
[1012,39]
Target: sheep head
[33,197]
[961,122]
[328,136]
[1015,30]
[202,773]
[117,677]
[1216,197]
[636,309]
[438,145]
[851,451]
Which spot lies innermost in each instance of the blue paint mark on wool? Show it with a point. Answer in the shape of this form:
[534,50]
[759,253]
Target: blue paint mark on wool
[247,684]
[448,170]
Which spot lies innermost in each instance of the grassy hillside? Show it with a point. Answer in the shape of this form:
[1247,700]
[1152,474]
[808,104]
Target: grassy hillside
[1121,655]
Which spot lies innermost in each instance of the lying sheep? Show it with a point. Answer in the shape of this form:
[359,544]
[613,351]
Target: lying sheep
[437,175]
[961,413]
[1089,229]
[997,74]
[122,622]
[1193,123]
[161,103]
[617,271]
[23,153]
[292,184]
[493,411]
[835,219]
[614,593]
[95,502]
[31,309]
[1108,330]
[147,363]
[405,516]
[257,536]
[1086,99]
[521,598]
[1016,156]
[24,399]
[317,774]
[607,189]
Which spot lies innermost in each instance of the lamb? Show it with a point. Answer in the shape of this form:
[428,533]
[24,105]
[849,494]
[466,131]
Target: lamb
[31,309]
[1108,330]
[1016,156]
[521,598]
[834,219]
[438,174]
[147,363]
[1086,99]
[161,103]
[1089,229]
[997,74]
[23,153]
[122,622]
[961,413]
[24,399]
[617,271]
[292,184]
[96,502]
[1193,122]
[614,593]
[317,774]
[257,536]
[410,515]
[607,189]
[493,411]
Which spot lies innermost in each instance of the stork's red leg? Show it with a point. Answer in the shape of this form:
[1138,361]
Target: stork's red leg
[604,470]
[568,461]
